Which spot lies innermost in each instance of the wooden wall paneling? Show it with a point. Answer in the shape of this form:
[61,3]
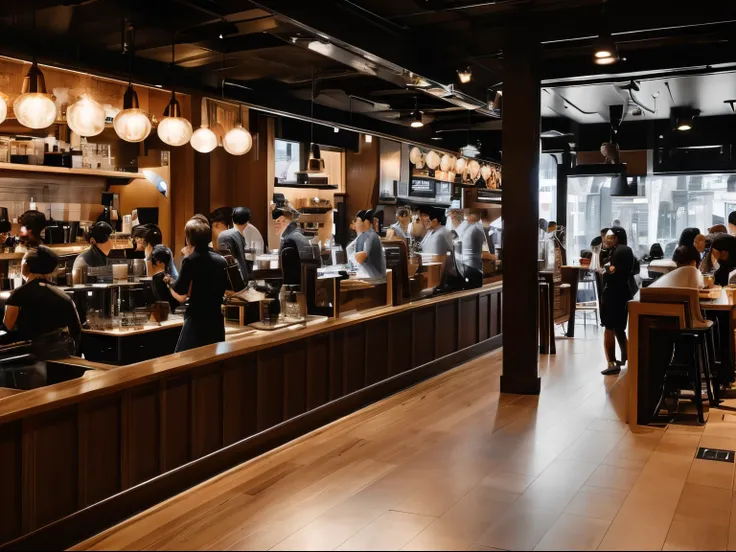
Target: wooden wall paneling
[206,409]
[10,481]
[447,316]
[495,314]
[401,345]
[468,322]
[99,449]
[484,302]
[50,464]
[362,177]
[423,336]
[295,378]
[355,355]
[377,351]
[318,371]
[270,388]
[175,422]
[500,312]
[337,363]
[141,434]
[239,398]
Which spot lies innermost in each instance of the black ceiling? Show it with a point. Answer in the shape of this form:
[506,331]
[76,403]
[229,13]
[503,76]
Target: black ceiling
[357,57]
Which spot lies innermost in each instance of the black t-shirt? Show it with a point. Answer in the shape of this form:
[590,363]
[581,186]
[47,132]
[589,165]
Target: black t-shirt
[43,309]
[233,241]
[205,270]
[161,291]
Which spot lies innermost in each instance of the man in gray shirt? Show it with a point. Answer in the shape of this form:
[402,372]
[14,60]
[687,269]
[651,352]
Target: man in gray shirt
[227,238]
[438,239]
[368,250]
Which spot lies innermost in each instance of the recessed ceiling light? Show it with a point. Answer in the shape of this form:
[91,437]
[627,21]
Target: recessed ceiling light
[465,75]
[336,130]
[436,138]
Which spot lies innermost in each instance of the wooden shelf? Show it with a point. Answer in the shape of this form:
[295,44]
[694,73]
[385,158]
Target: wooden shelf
[42,169]
[314,210]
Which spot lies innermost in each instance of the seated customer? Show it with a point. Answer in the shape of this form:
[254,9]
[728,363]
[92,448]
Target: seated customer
[160,261]
[40,312]
[686,274]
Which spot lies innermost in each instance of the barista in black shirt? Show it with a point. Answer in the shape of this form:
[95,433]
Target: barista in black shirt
[100,246]
[202,280]
[294,245]
[40,312]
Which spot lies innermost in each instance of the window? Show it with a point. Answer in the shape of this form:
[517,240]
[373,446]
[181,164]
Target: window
[287,160]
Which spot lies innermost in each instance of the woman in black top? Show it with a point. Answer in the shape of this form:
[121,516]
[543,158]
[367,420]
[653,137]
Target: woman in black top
[202,280]
[723,252]
[40,312]
[618,289]
[160,261]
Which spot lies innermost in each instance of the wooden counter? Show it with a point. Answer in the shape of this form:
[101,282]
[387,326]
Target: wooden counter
[84,454]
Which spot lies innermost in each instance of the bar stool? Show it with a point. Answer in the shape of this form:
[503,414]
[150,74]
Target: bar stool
[690,366]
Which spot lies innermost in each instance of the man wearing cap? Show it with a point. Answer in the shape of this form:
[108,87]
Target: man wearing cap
[368,249]
[293,244]
[438,239]
[40,312]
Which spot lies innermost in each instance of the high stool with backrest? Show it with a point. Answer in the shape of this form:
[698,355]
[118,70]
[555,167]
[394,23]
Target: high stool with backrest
[690,363]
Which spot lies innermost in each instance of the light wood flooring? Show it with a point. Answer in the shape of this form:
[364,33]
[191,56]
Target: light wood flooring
[452,464]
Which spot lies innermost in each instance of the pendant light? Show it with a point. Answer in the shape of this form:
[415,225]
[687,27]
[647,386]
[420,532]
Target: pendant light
[417,122]
[174,129]
[86,117]
[238,140]
[3,107]
[131,124]
[204,140]
[34,108]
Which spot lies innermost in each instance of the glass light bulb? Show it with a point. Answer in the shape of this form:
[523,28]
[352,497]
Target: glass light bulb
[174,131]
[3,108]
[132,125]
[237,141]
[86,117]
[204,140]
[35,110]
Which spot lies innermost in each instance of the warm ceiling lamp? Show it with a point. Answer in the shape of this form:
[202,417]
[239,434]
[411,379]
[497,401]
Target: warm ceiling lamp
[204,140]
[174,129]
[238,140]
[131,123]
[417,122]
[86,117]
[604,52]
[465,75]
[684,123]
[34,108]
[3,107]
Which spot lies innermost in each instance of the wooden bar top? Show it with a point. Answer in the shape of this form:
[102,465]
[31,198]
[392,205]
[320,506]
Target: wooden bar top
[61,394]
[149,327]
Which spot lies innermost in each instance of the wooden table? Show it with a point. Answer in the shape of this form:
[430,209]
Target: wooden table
[723,310]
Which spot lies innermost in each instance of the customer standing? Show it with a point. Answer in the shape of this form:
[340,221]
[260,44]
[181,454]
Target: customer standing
[618,290]
[202,280]
[227,238]
[251,235]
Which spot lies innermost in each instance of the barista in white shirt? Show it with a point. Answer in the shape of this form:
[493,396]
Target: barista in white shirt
[456,221]
[241,221]
[438,239]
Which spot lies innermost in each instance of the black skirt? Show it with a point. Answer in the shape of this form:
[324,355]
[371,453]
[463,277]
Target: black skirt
[198,332]
[614,310]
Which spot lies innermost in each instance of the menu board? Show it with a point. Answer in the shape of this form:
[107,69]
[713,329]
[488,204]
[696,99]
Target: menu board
[422,187]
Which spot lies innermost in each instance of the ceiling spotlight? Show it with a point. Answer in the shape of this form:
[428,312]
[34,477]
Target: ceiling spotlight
[604,52]
[684,123]
[465,75]
[417,122]
[336,130]
[368,139]
[221,37]
[436,138]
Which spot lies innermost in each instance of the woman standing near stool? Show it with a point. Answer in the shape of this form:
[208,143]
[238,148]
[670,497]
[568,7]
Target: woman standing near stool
[618,289]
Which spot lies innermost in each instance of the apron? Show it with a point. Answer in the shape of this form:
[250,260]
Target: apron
[198,332]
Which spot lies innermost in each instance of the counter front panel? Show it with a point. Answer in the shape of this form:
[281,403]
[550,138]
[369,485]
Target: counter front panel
[80,456]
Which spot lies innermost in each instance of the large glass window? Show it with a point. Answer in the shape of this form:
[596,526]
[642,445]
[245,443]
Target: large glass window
[287,160]
[547,187]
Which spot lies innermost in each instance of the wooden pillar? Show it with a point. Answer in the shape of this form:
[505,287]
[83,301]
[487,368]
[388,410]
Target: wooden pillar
[521,150]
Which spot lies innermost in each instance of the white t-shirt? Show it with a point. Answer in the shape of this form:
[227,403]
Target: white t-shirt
[251,234]
[683,277]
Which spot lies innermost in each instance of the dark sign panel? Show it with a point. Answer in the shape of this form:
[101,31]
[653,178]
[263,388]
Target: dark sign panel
[422,187]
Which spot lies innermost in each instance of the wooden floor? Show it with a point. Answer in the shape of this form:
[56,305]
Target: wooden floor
[452,464]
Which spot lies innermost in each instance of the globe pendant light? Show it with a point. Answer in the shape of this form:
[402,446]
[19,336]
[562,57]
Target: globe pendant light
[238,140]
[132,123]
[174,129]
[3,107]
[204,140]
[86,117]
[34,108]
